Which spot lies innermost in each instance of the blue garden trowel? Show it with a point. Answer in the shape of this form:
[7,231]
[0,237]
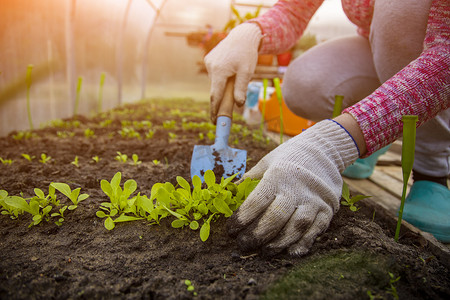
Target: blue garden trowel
[219,157]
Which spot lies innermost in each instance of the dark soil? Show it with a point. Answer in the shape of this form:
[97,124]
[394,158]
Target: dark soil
[83,260]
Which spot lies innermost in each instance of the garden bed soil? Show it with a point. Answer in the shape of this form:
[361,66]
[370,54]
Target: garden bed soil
[354,259]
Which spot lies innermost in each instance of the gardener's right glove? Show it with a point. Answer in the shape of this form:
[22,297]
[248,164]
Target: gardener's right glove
[236,55]
[299,191]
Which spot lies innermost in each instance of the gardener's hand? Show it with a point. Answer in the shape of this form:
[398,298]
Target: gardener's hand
[236,55]
[298,194]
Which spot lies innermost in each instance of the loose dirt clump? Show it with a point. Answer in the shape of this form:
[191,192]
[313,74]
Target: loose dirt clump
[356,257]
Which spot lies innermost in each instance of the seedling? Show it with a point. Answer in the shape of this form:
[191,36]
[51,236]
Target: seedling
[21,135]
[201,136]
[28,157]
[351,201]
[65,134]
[75,162]
[88,133]
[28,82]
[44,158]
[121,157]
[59,215]
[156,162]
[96,159]
[276,82]
[149,134]
[190,287]
[169,124]
[408,144]
[129,132]
[105,123]
[32,208]
[172,136]
[7,209]
[74,195]
[392,289]
[6,161]
[77,100]
[120,202]
[136,160]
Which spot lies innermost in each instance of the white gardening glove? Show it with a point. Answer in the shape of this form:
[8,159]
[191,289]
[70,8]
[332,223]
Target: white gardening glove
[236,55]
[299,191]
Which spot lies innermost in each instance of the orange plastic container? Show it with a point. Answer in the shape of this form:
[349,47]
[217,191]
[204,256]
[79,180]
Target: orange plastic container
[293,124]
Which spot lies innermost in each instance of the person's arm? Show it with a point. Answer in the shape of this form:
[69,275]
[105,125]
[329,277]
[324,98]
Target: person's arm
[422,88]
[284,23]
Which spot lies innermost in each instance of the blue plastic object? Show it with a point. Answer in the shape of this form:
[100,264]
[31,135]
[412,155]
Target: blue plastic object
[253,94]
[427,207]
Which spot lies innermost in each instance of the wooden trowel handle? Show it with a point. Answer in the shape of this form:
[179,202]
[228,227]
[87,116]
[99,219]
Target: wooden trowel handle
[226,106]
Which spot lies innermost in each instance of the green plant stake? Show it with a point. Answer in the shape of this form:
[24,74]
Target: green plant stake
[265,82]
[337,105]
[408,144]
[276,82]
[100,92]
[77,101]
[28,81]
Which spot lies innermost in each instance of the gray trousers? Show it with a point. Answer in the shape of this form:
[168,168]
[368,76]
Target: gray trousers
[354,67]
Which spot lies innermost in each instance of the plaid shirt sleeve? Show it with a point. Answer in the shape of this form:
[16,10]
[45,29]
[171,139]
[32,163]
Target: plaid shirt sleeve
[422,88]
[286,21]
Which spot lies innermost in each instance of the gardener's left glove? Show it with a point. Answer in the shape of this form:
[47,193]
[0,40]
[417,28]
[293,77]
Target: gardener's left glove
[299,191]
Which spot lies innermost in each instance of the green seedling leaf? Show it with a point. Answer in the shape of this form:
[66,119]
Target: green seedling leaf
[206,228]
[210,178]
[197,182]
[228,180]
[21,203]
[125,218]
[184,184]
[39,193]
[194,225]
[63,188]
[179,223]
[221,206]
[109,223]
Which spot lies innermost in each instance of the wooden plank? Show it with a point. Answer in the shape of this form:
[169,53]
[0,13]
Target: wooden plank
[389,158]
[395,172]
[389,183]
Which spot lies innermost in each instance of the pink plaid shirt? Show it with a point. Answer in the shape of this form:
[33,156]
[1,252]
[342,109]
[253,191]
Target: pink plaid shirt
[422,88]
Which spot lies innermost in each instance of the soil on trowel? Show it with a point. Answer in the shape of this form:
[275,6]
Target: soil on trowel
[356,258]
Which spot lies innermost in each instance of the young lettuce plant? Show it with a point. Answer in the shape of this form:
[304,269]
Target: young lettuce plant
[6,161]
[31,207]
[121,157]
[75,161]
[351,201]
[60,215]
[44,158]
[6,209]
[28,157]
[120,202]
[74,195]
[136,160]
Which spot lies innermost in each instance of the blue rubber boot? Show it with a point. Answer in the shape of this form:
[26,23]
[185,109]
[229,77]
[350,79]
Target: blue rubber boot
[427,207]
[362,168]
